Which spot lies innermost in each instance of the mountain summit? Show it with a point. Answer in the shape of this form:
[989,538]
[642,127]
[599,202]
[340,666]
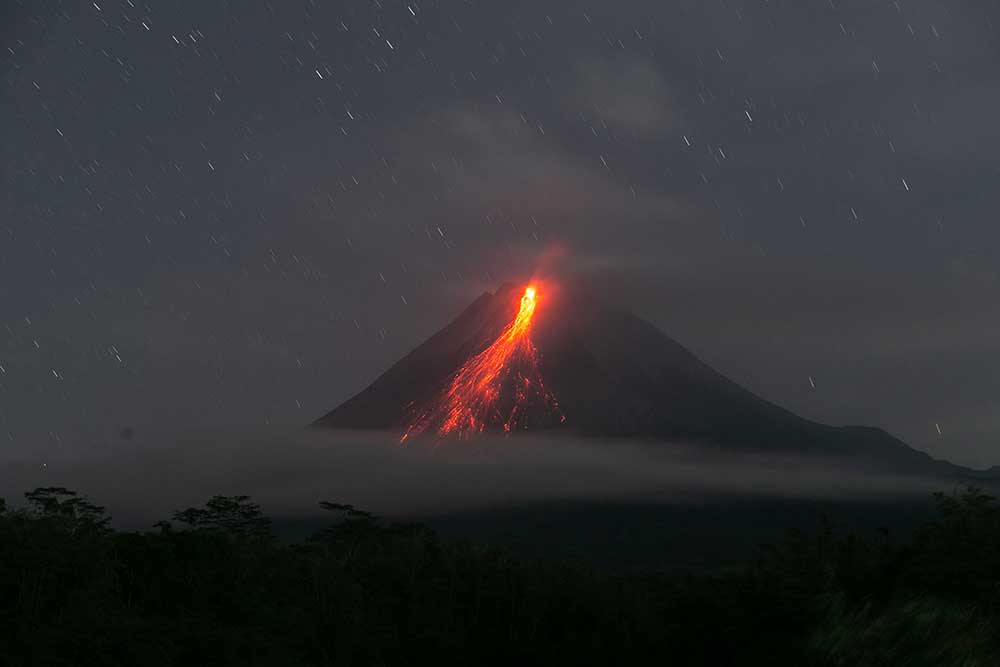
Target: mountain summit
[541,358]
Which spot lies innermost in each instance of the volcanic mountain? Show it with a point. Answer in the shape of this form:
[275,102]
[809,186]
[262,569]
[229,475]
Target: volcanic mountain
[549,359]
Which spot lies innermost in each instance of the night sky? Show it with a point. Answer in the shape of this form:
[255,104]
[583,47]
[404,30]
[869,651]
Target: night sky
[227,215]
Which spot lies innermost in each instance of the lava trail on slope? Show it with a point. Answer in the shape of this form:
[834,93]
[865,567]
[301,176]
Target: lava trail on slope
[500,388]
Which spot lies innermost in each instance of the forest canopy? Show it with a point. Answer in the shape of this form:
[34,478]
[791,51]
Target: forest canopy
[212,585]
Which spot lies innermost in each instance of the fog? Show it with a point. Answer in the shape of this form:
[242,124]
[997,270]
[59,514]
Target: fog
[146,478]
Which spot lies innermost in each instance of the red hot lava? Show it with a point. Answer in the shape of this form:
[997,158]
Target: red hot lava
[495,387]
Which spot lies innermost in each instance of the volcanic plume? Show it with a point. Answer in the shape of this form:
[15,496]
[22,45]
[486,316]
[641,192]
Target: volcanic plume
[493,388]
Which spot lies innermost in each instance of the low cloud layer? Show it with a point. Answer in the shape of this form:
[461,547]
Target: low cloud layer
[145,480]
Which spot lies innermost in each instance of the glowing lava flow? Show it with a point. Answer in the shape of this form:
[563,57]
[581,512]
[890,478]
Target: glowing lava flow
[494,388]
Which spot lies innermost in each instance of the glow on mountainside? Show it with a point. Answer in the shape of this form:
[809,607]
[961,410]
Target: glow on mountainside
[493,388]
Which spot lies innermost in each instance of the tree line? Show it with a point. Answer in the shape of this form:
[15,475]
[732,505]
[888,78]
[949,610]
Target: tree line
[212,586]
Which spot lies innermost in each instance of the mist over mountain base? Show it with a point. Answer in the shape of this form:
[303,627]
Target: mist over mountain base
[619,504]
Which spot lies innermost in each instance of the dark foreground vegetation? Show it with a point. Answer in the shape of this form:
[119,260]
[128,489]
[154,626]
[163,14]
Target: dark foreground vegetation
[213,587]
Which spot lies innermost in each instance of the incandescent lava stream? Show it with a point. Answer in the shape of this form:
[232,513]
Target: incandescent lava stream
[495,388]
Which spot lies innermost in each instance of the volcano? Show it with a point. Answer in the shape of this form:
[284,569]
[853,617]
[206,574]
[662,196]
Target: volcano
[543,359]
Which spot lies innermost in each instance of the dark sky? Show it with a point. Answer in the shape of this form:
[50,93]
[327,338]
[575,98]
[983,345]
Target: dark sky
[230,214]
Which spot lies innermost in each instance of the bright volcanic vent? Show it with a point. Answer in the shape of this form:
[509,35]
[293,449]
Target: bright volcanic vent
[495,388]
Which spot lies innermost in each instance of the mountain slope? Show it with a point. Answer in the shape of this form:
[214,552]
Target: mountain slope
[614,376]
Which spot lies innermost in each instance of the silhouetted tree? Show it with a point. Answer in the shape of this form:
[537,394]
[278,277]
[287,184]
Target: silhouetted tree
[56,501]
[232,514]
[350,513]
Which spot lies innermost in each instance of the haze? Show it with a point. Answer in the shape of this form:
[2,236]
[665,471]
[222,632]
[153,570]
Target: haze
[289,473]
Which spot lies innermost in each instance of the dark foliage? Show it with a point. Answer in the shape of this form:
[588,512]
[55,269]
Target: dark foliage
[57,502]
[222,591]
[230,514]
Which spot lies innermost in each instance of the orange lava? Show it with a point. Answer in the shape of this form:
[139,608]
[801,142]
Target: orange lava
[494,388]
